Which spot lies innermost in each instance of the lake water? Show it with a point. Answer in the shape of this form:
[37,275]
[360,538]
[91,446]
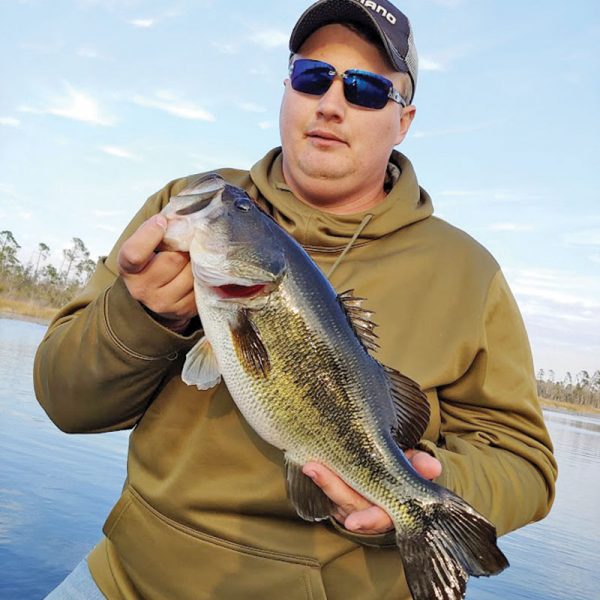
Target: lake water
[56,490]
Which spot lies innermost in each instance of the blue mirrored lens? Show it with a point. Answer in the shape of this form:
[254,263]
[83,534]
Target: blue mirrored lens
[366,89]
[311,76]
[360,87]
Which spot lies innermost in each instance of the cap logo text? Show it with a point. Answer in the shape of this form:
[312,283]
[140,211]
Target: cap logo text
[379,10]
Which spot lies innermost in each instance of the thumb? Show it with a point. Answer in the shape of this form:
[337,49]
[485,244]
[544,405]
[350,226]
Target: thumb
[138,250]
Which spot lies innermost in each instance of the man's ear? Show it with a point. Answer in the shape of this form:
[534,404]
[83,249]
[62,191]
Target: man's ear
[406,119]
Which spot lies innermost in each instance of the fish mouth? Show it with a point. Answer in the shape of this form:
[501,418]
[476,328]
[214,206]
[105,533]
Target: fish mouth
[236,291]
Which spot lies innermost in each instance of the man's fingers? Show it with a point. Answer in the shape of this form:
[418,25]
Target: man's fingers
[369,520]
[137,251]
[339,492]
[172,270]
[426,465]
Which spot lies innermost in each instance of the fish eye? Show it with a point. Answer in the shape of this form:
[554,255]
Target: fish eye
[243,204]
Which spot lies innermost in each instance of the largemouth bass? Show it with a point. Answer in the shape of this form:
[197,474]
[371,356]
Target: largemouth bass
[295,358]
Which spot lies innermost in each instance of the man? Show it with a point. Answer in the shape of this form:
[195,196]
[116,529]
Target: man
[204,512]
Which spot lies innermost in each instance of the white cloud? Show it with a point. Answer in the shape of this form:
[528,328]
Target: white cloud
[9,122]
[171,104]
[8,189]
[76,105]
[428,64]
[251,107]
[558,288]
[562,313]
[514,227]
[595,258]
[270,38]
[119,152]
[267,125]
[587,237]
[143,23]
[25,215]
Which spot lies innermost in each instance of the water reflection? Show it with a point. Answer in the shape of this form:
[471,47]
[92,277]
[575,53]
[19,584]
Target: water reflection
[55,491]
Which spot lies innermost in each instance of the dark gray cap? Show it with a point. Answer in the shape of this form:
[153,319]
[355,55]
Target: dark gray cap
[382,17]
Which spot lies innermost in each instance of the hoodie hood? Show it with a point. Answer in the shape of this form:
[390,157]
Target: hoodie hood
[405,204]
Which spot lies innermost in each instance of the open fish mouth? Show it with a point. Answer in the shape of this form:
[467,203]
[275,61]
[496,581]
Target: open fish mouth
[235,291]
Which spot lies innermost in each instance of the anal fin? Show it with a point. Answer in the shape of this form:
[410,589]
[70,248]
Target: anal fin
[308,498]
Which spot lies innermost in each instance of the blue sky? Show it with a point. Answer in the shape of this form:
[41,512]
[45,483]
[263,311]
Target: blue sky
[104,101]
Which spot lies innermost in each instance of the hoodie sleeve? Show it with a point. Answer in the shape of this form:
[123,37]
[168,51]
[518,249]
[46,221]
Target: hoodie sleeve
[103,358]
[494,447]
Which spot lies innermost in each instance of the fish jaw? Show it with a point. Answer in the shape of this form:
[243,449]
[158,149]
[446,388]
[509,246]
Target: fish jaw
[190,209]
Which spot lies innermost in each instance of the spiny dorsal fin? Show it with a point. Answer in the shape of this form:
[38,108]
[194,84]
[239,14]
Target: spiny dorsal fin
[359,319]
[411,407]
[249,347]
[308,498]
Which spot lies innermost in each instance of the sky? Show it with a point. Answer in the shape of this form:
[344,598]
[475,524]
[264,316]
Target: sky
[102,102]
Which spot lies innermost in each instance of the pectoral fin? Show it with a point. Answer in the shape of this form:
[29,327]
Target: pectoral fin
[249,346]
[308,499]
[201,368]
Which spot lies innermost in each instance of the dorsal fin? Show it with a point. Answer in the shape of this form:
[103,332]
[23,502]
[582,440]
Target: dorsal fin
[410,402]
[411,407]
[359,319]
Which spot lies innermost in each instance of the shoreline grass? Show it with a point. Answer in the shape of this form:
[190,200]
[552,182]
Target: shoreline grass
[569,407]
[26,311]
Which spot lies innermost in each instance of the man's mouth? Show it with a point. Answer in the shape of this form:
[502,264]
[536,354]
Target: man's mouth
[325,136]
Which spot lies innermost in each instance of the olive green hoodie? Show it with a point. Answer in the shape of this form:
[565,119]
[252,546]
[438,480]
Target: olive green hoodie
[204,512]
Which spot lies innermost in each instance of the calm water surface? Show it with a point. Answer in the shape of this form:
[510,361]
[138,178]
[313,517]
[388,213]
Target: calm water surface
[56,490]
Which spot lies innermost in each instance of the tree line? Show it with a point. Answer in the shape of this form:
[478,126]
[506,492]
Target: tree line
[39,281]
[582,390]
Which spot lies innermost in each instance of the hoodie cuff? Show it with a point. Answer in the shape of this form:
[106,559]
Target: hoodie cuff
[137,333]
[376,540]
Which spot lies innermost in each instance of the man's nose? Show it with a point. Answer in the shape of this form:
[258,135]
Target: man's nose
[333,104]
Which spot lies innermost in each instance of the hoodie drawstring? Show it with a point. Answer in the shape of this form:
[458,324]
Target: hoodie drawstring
[349,245]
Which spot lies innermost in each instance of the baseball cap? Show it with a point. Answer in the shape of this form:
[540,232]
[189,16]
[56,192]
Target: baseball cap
[382,17]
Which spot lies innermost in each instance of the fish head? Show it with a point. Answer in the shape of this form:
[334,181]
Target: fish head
[188,208]
[233,245]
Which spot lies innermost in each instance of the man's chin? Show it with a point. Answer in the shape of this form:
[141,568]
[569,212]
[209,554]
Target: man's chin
[324,167]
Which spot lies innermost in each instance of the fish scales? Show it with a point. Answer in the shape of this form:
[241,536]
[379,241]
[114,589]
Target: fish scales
[290,352]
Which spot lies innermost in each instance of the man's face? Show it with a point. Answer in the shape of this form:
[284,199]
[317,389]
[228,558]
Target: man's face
[331,147]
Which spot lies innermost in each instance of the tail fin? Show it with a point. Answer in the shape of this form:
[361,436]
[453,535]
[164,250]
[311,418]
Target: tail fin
[455,543]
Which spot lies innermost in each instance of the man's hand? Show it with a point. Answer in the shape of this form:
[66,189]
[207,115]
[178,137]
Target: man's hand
[161,281]
[356,513]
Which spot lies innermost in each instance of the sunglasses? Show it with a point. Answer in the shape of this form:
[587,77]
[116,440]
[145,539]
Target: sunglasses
[362,88]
